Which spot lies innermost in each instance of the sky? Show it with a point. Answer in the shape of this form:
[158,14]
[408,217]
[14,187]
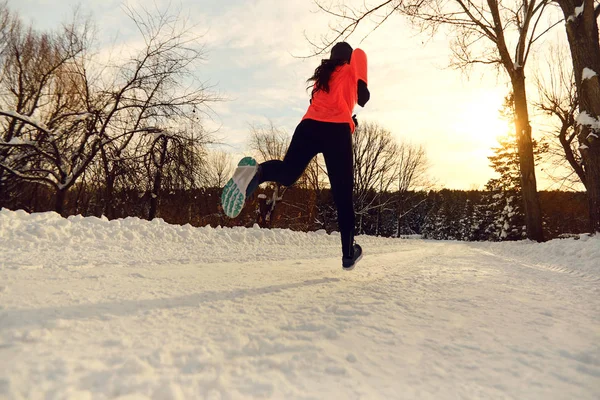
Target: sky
[254,58]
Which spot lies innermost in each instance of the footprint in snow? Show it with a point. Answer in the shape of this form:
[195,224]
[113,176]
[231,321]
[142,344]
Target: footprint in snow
[335,370]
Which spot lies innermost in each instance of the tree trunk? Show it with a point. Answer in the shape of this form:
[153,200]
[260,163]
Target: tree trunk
[59,205]
[2,187]
[154,195]
[78,197]
[360,224]
[400,212]
[378,222]
[582,34]
[400,209]
[34,199]
[109,206]
[566,145]
[154,200]
[158,180]
[531,201]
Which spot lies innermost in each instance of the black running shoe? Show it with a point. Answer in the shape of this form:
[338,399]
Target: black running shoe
[348,263]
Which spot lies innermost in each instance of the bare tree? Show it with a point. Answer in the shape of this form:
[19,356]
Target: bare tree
[412,175]
[43,137]
[581,23]
[269,142]
[6,20]
[375,169]
[171,164]
[482,33]
[157,93]
[219,168]
[558,99]
[315,177]
[81,113]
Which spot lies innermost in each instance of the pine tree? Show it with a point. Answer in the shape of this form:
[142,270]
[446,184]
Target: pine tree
[466,226]
[504,199]
[430,225]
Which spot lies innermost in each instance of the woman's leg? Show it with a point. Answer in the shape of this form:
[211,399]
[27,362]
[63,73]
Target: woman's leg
[339,161]
[303,148]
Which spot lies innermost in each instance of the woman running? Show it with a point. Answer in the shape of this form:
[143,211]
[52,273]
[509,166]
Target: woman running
[339,84]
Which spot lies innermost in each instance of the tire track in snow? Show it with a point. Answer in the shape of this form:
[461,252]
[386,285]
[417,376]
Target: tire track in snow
[543,267]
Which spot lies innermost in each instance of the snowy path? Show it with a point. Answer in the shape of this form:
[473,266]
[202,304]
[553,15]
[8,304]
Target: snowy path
[137,318]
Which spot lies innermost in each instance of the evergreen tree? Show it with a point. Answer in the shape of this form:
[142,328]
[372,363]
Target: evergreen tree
[430,222]
[467,225]
[504,199]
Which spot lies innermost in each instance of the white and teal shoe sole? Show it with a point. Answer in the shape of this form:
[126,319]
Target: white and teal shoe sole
[234,192]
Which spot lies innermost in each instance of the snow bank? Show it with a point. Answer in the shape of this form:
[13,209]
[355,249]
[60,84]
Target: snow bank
[84,241]
[581,256]
[79,241]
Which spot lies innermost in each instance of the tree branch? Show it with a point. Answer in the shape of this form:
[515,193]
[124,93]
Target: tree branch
[346,31]
[490,34]
[27,120]
[41,179]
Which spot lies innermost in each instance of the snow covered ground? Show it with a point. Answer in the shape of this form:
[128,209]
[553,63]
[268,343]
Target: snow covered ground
[129,309]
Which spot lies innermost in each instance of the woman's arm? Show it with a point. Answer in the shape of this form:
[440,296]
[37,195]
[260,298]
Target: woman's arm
[358,61]
[363,93]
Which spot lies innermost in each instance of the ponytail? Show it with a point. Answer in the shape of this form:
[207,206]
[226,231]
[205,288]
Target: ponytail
[323,73]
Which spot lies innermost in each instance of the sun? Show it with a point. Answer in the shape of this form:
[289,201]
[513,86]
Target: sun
[480,120]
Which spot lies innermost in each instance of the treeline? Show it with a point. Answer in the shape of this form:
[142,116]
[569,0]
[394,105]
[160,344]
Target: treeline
[436,214]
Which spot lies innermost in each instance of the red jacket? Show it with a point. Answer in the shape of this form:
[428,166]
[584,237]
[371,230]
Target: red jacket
[337,104]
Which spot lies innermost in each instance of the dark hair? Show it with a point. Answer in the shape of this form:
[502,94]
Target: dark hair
[340,55]
[323,74]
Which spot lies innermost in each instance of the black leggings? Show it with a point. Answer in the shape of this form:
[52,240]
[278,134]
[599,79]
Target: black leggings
[334,140]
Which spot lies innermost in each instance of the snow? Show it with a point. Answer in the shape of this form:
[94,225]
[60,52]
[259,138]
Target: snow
[66,182]
[25,118]
[84,116]
[131,309]
[586,119]
[588,74]
[16,141]
[158,133]
[578,12]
